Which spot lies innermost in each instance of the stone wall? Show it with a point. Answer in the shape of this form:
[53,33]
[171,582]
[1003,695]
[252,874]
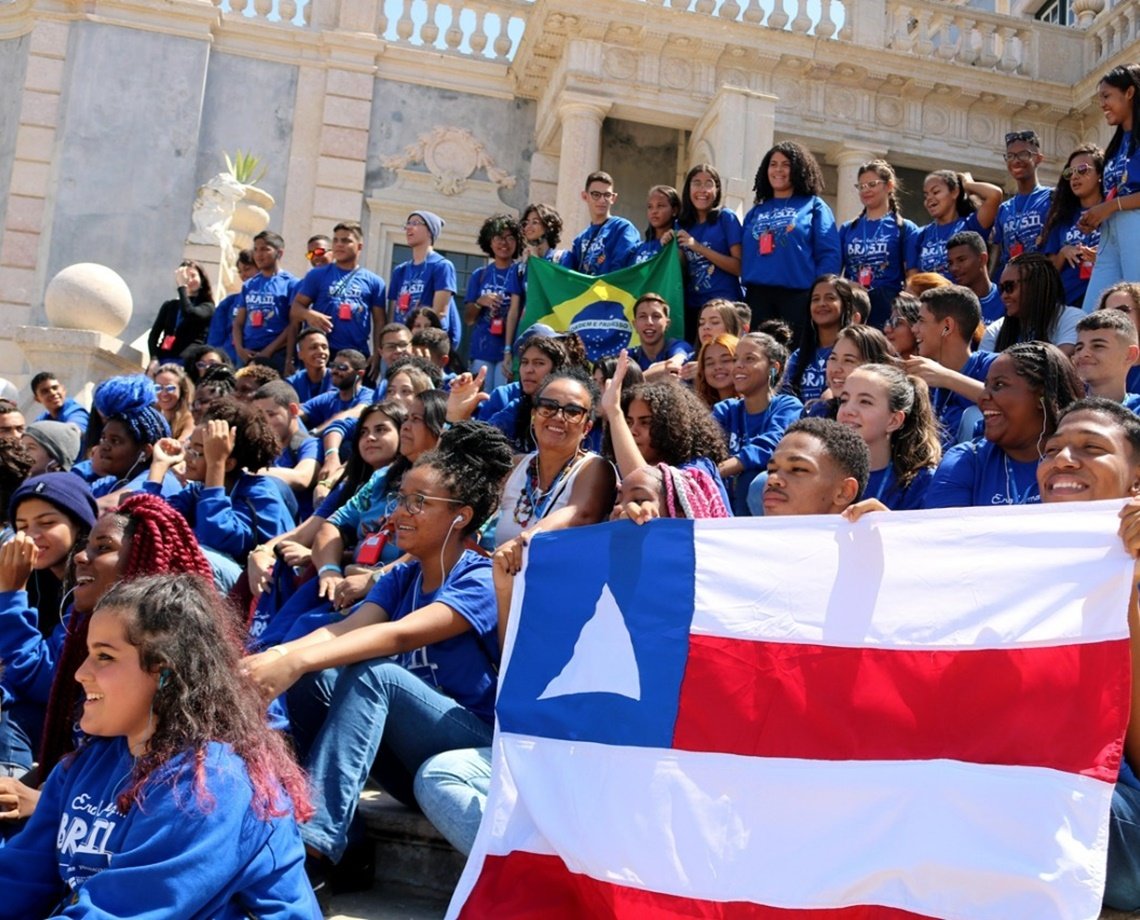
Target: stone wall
[639,157]
[13,59]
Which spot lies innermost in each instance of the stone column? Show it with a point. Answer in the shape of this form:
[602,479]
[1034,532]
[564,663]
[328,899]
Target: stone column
[734,133]
[847,160]
[580,154]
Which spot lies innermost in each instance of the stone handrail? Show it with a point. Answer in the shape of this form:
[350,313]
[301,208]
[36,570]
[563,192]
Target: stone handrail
[790,15]
[488,29]
[1115,29]
[281,12]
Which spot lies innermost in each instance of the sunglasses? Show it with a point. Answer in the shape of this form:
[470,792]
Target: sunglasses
[167,387]
[1030,137]
[202,365]
[1008,287]
[315,253]
[340,366]
[549,408]
[1079,170]
[868,186]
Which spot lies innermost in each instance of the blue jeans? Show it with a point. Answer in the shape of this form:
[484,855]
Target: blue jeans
[1122,876]
[452,790]
[372,708]
[495,376]
[1117,256]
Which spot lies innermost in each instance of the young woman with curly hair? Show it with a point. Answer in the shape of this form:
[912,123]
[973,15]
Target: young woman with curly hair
[412,671]
[488,301]
[790,237]
[181,798]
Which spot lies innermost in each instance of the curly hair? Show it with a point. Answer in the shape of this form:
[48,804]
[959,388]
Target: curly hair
[181,630]
[131,400]
[688,217]
[472,458]
[550,220]
[915,445]
[499,225]
[1041,296]
[1066,205]
[15,462]
[1047,369]
[179,417]
[682,428]
[156,541]
[575,349]
[194,353]
[963,204]
[807,178]
[669,194]
[255,445]
[261,374]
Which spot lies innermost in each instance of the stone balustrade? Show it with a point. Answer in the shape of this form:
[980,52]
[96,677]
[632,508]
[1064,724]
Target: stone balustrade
[491,30]
[1116,29]
[284,12]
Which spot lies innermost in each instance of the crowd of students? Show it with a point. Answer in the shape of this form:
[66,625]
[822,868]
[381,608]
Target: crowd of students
[306,507]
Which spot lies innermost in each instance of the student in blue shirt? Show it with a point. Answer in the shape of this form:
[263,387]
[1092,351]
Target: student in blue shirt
[1072,250]
[1107,348]
[261,318]
[1118,258]
[488,300]
[710,237]
[874,245]
[132,425]
[541,232]
[52,395]
[608,243]
[348,391]
[182,802]
[946,195]
[1034,301]
[414,667]
[346,302]
[656,351]
[969,258]
[427,279]
[1027,388]
[1021,219]
[790,237]
[221,331]
[299,457]
[834,305]
[314,377]
[662,205]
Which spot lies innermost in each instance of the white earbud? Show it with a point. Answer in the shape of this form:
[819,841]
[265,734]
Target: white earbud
[458,519]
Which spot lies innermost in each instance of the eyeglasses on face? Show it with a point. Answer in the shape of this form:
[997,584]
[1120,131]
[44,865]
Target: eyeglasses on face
[896,322]
[414,223]
[601,196]
[202,365]
[1008,287]
[548,408]
[868,186]
[1079,170]
[1023,156]
[414,502]
[166,387]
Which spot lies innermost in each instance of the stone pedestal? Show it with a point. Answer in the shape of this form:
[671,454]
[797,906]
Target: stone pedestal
[579,155]
[847,160]
[79,358]
[734,133]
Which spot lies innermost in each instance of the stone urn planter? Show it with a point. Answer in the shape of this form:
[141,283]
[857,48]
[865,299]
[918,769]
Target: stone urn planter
[251,216]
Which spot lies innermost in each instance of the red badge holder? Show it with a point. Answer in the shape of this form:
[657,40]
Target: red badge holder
[866,276]
[257,319]
[344,311]
[369,550]
[167,342]
[767,242]
[1086,270]
[404,301]
[1016,249]
[498,327]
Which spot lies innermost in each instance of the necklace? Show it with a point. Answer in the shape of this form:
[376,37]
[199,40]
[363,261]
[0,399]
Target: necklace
[1012,495]
[533,501]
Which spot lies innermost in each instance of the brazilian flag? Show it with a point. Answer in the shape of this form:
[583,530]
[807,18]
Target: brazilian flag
[600,308]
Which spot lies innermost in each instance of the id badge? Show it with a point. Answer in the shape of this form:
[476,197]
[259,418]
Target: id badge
[767,242]
[257,319]
[866,276]
[404,301]
[1016,249]
[167,342]
[497,325]
[369,549]
[344,311]
[1086,270]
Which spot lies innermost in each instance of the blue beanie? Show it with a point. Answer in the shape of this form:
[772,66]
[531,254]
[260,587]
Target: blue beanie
[131,400]
[434,222]
[66,491]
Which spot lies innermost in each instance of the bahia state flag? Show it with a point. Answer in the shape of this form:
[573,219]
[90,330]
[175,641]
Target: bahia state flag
[600,309]
[916,716]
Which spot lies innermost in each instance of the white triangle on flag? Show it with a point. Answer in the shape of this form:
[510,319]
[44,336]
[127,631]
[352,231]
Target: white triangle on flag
[603,659]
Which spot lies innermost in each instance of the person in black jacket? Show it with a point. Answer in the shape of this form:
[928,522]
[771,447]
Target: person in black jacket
[184,321]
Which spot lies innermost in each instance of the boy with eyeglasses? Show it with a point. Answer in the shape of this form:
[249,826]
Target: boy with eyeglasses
[1021,218]
[608,243]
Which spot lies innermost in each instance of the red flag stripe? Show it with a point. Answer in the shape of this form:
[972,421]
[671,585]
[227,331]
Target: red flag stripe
[523,884]
[1044,707]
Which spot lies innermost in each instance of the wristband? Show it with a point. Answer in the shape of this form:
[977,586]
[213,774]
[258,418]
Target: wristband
[507,350]
[331,452]
[278,649]
[330,567]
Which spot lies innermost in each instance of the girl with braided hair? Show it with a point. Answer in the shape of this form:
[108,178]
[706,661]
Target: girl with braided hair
[181,802]
[143,536]
[1027,388]
[1034,299]
[412,671]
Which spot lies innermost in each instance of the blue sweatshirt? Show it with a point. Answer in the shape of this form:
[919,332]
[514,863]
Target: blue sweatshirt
[29,659]
[979,473]
[803,243]
[752,438]
[178,856]
[604,247]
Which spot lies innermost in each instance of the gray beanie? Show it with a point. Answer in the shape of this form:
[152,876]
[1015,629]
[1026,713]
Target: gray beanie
[434,223]
[61,440]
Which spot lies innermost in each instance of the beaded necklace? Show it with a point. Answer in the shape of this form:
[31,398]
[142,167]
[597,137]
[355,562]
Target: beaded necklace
[535,502]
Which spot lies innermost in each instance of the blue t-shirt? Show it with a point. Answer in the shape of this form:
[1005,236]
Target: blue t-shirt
[320,409]
[72,412]
[415,286]
[305,388]
[672,347]
[221,331]
[703,280]
[196,849]
[883,484]
[879,246]
[1072,235]
[604,247]
[992,307]
[814,380]
[1130,177]
[266,303]
[486,345]
[979,473]
[929,251]
[751,438]
[1020,220]
[1116,168]
[463,667]
[789,242]
[646,251]
[948,406]
[356,295]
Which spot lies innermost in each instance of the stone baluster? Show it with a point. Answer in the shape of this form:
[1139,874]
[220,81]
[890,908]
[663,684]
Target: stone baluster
[847,33]
[802,22]
[238,6]
[730,9]
[967,51]
[429,31]
[263,8]
[705,6]
[988,55]
[503,42]
[1085,11]
[307,12]
[381,19]
[778,18]
[753,11]
[405,27]
[923,44]
[287,10]
[453,37]
[478,39]
[825,28]
[1008,62]
[947,46]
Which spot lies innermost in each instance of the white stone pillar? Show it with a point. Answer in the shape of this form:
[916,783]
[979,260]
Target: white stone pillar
[733,135]
[580,154]
[847,160]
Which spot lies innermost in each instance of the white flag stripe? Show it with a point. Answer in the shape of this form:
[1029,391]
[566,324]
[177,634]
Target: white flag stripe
[1011,593]
[940,838]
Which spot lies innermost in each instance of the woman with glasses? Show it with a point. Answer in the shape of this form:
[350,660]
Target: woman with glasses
[185,320]
[874,245]
[412,672]
[897,328]
[1034,300]
[200,358]
[561,483]
[1072,250]
[175,396]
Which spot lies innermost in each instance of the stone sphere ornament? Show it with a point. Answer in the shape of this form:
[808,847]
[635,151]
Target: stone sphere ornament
[89,296]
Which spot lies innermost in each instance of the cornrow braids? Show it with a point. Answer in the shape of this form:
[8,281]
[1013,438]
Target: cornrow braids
[1047,369]
[1042,299]
[472,458]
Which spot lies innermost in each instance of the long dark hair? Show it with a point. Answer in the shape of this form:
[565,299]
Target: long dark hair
[1042,298]
[1047,369]
[556,352]
[184,634]
[963,204]
[1066,205]
[1122,78]
[206,290]
[689,216]
[807,178]
[669,194]
[809,335]
[356,471]
[681,428]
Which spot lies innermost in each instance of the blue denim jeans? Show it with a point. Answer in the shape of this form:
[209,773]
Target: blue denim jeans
[495,376]
[1122,877]
[378,719]
[452,790]
[1117,257]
